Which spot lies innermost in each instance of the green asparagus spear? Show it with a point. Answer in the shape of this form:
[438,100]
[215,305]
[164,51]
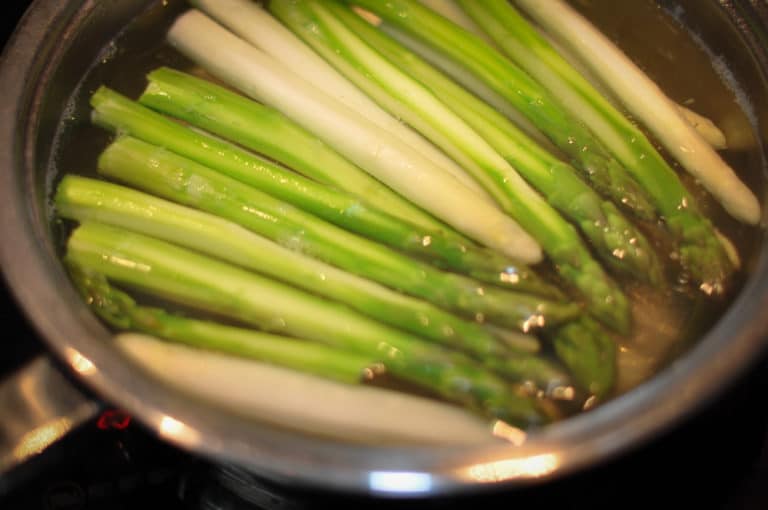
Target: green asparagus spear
[588,353]
[445,248]
[700,251]
[619,243]
[83,199]
[176,178]
[121,311]
[477,57]
[542,373]
[181,275]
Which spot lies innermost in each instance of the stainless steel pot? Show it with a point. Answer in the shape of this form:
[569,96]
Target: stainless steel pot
[53,47]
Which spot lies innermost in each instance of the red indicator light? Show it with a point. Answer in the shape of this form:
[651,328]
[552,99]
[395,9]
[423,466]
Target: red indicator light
[113,419]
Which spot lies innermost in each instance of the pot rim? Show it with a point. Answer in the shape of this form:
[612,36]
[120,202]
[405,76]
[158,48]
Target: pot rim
[39,283]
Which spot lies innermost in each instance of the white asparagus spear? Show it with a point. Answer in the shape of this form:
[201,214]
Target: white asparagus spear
[280,396]
[647,102]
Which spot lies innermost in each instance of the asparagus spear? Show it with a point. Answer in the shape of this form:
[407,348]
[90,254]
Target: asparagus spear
[588,353]
[701,252]
[452,11]
[339,36]
[181,275]
[84,199]
[450,251]
[543,374]
[364,143]
[462,76]
[645,100]
[506,79]
[250,21]
[176,178]
[121,311]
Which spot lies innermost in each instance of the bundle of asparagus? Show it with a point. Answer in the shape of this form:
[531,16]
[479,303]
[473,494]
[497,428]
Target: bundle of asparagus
[377,207]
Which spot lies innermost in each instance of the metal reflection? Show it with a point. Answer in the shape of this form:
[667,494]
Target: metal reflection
[534,466]
[37,440]
[400,482]
[178,432]
[80,363]
[37,407]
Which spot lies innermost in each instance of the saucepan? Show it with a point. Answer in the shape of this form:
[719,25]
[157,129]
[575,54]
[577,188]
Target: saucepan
[56,44]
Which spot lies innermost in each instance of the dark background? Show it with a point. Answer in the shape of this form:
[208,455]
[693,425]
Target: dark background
[716,459]
[13,352]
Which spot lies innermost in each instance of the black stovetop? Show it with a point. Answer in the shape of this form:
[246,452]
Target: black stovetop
[716,459]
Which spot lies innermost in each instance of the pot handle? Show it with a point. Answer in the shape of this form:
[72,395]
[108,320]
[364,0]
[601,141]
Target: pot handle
[38,405]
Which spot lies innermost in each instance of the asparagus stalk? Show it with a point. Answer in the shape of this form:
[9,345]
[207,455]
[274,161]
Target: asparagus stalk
[444,248]
[542,373]
[339,35]
[173,177]
[452,11]
[121,311]
[278,395]
[178,274]
[589,354]
[647,102]
[516,341]
[84,199]
[395,163]
[505,78]
[458,73]
[701,252]
[250,21]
